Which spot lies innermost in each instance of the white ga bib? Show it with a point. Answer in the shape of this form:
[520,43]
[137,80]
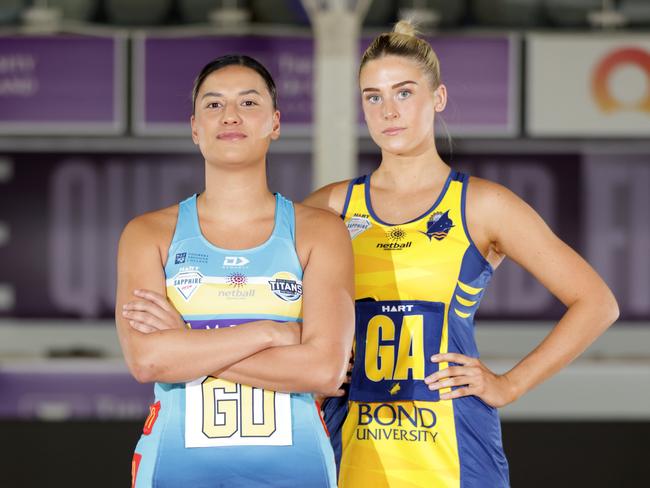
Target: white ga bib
[220,413]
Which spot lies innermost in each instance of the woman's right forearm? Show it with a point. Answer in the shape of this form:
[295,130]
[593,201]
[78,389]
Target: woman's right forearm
[173,356]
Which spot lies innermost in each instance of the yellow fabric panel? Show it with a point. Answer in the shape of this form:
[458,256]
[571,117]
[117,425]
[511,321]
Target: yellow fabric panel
[224,299]
[462,315]
[466,303]
[408,273]
[470,290]
[410,261]
[400,455]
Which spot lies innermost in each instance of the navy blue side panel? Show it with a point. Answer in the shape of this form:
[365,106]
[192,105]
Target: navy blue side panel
[474,273]
[335,409]
[356,181]
[478,431]
[463,200]
[461,336]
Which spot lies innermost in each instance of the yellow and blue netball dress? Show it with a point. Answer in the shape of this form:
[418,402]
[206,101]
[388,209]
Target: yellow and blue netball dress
[211,432]
[418,286]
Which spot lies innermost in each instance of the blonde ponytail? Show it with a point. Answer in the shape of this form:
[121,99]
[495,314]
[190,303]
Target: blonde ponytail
[404,42]
[406,27]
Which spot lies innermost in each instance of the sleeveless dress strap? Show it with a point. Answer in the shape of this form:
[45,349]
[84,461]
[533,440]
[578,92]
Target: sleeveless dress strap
[187,224]
[356,181]
[285,218]
[458,176]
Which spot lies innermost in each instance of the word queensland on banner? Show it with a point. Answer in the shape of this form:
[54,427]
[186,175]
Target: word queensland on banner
[60,247]
[588,85]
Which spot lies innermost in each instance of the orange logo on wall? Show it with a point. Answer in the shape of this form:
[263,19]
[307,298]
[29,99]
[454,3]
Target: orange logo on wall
[604,70]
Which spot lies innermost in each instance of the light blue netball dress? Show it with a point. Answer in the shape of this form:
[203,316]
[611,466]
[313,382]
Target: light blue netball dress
[214,433]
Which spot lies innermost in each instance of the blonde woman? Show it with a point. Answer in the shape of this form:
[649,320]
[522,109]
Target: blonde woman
[427,239]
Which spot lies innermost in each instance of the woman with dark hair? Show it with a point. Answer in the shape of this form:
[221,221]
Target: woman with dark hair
[264,288]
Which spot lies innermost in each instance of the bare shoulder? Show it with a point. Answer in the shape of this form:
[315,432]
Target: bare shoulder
[330,197]
[489,206]
[487,198]
[151,228]
[495,213]
[486,191]
[321,238]
[317,221]
[318,229]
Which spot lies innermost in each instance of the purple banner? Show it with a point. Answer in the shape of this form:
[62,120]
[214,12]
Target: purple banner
[165,68]
[482,79]
[63,214]
[481,73]
[59,84]
[63,390]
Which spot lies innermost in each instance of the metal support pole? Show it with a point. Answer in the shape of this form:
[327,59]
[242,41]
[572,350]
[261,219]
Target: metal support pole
[337,27]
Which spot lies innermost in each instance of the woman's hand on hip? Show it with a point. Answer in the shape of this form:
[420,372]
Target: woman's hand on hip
[470,377]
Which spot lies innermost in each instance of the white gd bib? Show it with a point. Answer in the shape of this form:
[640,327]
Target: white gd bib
[220,413]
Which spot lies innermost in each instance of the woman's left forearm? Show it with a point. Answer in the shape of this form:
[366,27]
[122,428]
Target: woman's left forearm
[297,368]
[583,322]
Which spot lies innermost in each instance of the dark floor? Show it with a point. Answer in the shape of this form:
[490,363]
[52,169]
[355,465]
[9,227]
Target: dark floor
[94,454]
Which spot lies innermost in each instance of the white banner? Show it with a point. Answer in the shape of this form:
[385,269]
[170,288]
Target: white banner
[588,85]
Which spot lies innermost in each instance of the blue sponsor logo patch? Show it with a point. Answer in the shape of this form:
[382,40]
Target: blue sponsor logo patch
[287,287]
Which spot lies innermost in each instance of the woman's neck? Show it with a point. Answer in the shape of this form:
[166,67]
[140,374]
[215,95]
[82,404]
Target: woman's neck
[236,194]
[409,172]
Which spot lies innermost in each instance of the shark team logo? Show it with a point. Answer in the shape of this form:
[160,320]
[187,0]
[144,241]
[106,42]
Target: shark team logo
[357,225]
[438,226]
[286,286]
[187,282]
